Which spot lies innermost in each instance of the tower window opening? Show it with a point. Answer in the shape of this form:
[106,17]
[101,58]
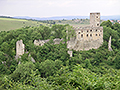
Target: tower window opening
[96,34]
[99,34]
[87,30]
[90,30]
[82,31]
[96,16]
[96,30]
[87,35]
[91,35]
[97,24]
[81,35]
[78,32]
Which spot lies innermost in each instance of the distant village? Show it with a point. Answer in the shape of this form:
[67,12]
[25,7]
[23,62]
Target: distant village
[114,21]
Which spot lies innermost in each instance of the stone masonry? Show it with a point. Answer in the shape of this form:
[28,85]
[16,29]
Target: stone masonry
[20,48]
[109,44]
[95,19]
[88,37]
[42,42]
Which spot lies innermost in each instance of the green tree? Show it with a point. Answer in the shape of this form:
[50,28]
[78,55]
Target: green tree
[47,68]
[23,71]
[117,61]
[106,23]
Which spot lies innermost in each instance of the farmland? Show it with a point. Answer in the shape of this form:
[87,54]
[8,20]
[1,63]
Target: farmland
[7,24]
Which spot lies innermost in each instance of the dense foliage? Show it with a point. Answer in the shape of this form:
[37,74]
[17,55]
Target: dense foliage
[54,69]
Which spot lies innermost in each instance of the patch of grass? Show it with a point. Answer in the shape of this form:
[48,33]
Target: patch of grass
[7,24]
[12,19]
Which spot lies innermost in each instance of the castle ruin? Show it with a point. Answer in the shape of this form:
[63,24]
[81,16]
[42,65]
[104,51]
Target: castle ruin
[88,37]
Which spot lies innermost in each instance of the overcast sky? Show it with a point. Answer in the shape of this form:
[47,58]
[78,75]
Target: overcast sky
[49,8]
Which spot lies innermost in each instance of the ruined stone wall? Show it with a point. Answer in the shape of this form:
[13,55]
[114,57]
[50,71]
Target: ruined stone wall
[86,45]
[89,33]
[20,48]
[86,38]
[42,42]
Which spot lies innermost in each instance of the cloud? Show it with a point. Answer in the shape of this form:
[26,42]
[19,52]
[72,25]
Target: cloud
[42,8]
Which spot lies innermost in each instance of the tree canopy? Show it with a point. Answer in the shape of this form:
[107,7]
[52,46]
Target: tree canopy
[53,68]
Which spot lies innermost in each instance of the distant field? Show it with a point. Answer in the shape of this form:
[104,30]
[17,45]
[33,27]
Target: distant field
[73,23]
[7,24]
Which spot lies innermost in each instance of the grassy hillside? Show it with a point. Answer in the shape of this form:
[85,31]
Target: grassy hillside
[7,24]
[75,23]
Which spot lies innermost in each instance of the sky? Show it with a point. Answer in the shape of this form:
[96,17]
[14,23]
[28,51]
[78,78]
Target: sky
[50,8]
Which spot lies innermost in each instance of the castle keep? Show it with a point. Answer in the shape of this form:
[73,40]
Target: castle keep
[88,37]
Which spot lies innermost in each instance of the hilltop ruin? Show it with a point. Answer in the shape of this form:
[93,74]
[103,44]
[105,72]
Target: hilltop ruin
[86,37]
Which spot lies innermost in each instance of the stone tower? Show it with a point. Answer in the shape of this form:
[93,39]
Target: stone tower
[95,19]
[20,48]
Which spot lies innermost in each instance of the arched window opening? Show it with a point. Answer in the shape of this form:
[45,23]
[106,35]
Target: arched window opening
[87,35]
[90,35]
[82,35]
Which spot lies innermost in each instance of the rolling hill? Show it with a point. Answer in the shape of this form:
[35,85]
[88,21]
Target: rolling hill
[7,24]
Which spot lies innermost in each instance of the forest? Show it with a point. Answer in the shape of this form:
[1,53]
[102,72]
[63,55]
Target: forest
[54,69]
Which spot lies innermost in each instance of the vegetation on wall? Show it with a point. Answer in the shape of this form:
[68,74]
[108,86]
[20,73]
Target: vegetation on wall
[54,68]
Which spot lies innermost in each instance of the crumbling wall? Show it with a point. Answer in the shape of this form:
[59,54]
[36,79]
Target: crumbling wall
[109,44]
[20,48]
[86,38]
[70,53]
[42,42]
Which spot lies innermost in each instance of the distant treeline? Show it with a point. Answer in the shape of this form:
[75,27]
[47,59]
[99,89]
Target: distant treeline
[5,17]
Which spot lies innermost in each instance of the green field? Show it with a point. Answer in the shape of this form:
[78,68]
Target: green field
[73,23]
[7,24]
